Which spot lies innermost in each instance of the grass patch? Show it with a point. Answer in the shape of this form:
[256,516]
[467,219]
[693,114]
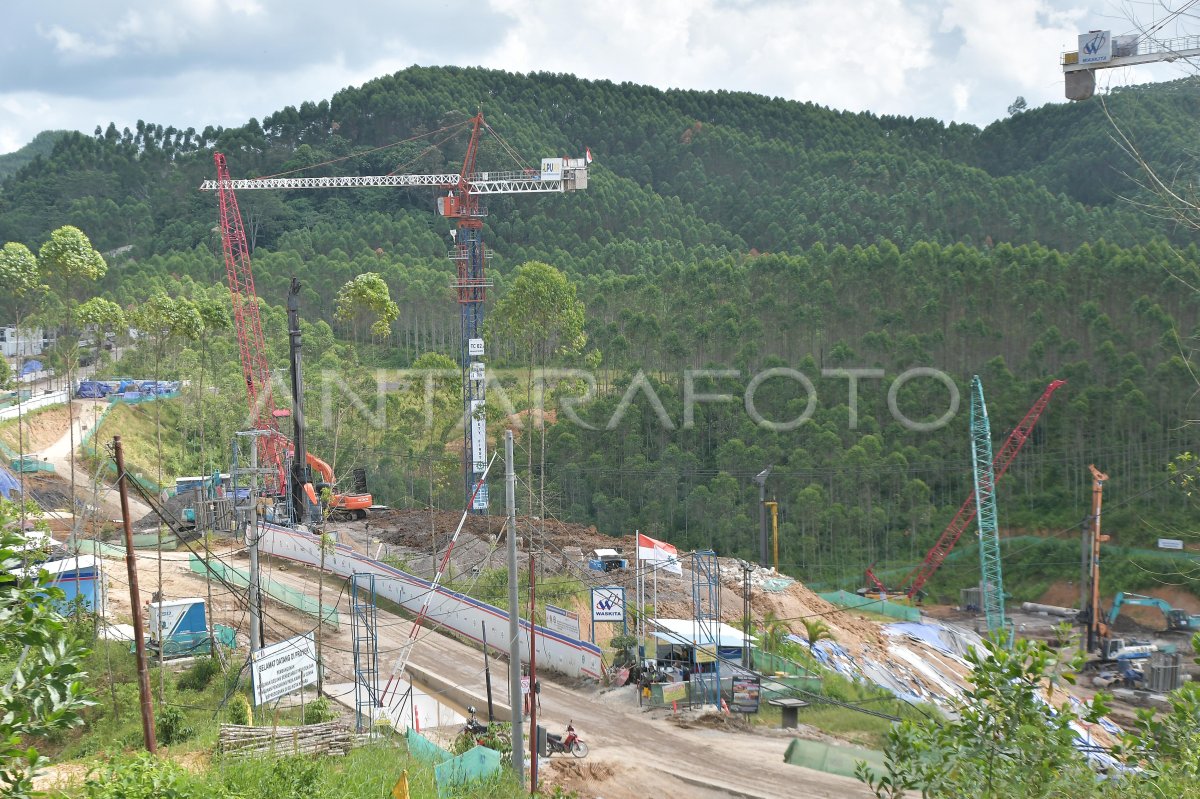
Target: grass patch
[53,416]
[366,773]
[136,426]
[846,723]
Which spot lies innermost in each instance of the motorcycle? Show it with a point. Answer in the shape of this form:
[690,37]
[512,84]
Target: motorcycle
[566,743]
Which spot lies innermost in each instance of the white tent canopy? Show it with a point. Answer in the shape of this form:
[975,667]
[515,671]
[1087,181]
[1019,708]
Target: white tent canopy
[690,632]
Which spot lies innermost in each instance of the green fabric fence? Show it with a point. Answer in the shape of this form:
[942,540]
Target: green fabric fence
[424,749]
[475,764]
[831,759]
[277,591]
[855,602]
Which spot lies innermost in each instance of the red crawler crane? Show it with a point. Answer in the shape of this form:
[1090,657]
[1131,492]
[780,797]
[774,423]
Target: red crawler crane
[966,513]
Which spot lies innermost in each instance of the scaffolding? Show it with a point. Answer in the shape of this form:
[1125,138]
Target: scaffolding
[364,631]
[706,612]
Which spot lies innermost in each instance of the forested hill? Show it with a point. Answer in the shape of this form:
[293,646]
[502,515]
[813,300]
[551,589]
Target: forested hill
[730,171]
[719,230]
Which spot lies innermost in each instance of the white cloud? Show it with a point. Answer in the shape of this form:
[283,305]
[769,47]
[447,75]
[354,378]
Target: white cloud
[76,63]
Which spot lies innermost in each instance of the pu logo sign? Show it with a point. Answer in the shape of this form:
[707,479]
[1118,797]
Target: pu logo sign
[1095,47]
[608,603]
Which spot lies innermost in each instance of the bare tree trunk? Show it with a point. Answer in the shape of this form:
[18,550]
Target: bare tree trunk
[212,640]
[21,431]
[162,672]
[321,609]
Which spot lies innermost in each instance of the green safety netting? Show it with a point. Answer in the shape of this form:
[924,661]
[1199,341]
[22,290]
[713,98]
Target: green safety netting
[422,748]
[831,759]
[277,591]
[847,600]
[473,765]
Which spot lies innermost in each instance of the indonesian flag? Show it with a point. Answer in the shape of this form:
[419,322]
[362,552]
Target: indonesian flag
[587,154]
[660,553]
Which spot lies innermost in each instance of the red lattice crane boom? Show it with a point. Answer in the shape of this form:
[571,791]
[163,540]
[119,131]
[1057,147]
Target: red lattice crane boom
[966,512]
[246,322]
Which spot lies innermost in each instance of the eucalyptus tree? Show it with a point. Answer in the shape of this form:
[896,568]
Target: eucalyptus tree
[69,265]
[23,294]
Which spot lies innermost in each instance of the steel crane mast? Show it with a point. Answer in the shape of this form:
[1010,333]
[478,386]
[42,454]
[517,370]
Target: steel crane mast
[461,204]
[991,578]
[246,320]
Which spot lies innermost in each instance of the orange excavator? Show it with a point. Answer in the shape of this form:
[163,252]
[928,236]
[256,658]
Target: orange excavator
[341,506]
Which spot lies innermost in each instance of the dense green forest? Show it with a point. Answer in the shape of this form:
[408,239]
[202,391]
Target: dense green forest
[720,231]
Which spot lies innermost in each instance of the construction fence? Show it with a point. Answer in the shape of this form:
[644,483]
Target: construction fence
[832,759]
[277,591]
[845,599]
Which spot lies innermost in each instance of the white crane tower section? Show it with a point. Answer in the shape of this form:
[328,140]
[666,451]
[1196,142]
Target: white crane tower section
[1102,50]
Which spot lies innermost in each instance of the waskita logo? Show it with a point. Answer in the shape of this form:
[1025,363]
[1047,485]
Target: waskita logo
[1096,43]
[608,604]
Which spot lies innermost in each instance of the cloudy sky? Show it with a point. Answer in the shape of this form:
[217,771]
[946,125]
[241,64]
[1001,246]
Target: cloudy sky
[76,64]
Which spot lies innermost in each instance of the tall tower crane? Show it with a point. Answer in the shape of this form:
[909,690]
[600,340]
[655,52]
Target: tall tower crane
[915,581]
[991,579]
[461,203]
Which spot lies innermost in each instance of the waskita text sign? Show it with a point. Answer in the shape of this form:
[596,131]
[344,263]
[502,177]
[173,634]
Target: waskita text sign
[659,553]
[562,621]
[608,603]
[284,668]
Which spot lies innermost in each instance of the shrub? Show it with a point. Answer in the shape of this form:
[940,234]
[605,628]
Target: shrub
[318,711]
[171,725]
[240,711]
[199,675]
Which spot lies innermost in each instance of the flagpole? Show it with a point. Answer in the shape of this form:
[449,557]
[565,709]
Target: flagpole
[656,593]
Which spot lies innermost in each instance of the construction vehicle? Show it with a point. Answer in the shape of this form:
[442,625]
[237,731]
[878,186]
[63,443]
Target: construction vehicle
[290,485]
[1178,621]
[913,586]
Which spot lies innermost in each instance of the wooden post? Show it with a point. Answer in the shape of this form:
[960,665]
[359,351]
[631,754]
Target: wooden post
[139,639]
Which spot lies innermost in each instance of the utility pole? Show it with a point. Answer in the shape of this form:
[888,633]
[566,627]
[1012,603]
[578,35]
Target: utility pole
[533,728]
[135,602]
[251,508]
[774,507]
[746,569]
[514,623]
[761,479]
[299,471]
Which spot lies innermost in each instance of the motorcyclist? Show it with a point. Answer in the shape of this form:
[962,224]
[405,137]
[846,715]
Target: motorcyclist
[473,724]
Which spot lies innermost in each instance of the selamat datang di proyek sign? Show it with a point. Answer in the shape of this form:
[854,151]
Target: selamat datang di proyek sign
[283,668]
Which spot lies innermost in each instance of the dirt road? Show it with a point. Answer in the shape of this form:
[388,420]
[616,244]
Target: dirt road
[633,754]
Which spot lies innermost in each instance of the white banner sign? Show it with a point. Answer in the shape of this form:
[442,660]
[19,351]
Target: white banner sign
[608,603]
[562,621]
[1170,543]
[478,436]
[552,168]
[474,346]
[283,668]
